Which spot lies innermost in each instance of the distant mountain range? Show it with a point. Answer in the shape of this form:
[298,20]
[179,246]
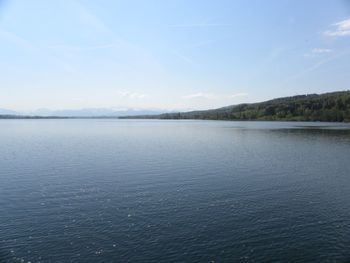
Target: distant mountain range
[8,112]
[332,107]
[80,113]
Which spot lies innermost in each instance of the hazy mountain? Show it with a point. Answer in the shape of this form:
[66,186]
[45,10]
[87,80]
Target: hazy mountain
[93,112]
[8,112]
[89,112]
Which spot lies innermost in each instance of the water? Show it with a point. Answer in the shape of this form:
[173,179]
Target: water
[174,191]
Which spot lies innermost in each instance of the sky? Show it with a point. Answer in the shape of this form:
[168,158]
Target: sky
[171,55]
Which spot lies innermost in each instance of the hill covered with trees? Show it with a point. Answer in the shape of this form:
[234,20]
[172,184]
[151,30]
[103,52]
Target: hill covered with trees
[332,107]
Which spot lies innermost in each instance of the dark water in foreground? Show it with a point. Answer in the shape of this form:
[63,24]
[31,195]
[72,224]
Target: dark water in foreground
[174,191]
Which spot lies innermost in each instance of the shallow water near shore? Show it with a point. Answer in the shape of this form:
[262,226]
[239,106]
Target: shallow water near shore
[174,191]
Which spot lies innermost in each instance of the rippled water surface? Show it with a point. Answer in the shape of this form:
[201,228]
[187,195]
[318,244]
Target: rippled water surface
[174,191]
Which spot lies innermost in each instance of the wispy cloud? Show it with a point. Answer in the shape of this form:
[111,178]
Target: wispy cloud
[183,57]
[83,48]
[316,52]
[321,50]
[202,95]
[241,94]
[90,19]
[200,25]
[133,95]
[318,65]
[339,29]
[202,43]
[33,48]
[15,39]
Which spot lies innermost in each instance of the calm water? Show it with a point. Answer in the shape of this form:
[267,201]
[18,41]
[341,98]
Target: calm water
[174,191]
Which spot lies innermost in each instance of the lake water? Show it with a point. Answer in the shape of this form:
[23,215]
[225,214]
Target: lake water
[174,191]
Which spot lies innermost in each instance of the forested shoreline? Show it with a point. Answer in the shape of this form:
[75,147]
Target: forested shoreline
[331,107]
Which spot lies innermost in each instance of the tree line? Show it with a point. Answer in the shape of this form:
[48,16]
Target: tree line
[331,107]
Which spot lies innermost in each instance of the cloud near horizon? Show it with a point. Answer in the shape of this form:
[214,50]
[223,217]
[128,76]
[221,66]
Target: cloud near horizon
[133,95]
[202,95]
[241,94]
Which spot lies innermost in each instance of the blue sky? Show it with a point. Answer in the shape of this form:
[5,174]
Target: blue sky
[175,54]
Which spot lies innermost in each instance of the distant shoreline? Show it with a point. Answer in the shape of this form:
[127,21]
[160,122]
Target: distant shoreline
[327,107]
[138,118]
